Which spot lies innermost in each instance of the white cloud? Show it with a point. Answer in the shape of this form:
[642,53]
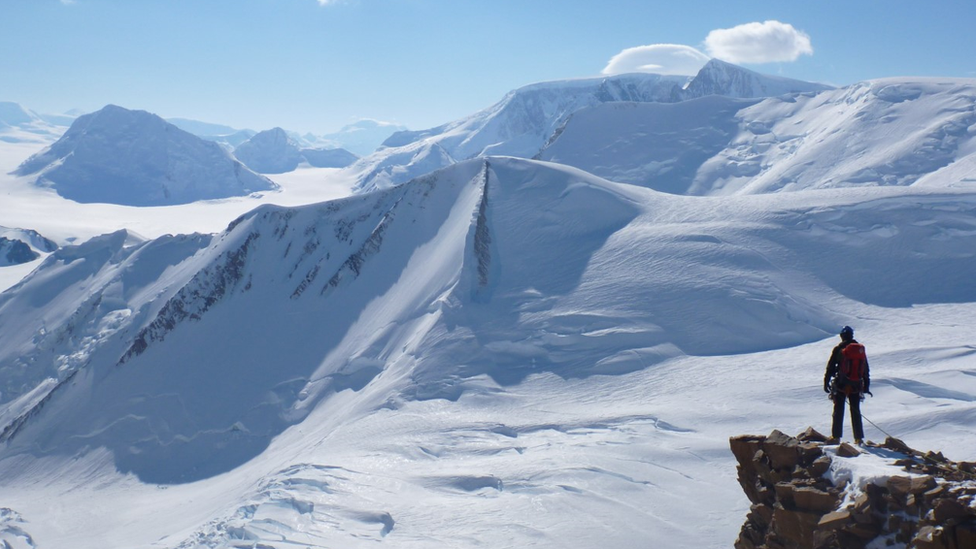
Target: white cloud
[767,42]
[659,59]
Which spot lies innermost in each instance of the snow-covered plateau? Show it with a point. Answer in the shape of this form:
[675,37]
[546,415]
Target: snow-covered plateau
[500,352]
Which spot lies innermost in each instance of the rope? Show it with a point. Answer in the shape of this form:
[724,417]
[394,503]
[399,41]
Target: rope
[876,426]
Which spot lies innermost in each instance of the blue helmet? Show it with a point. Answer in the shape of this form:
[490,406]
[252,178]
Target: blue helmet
[847,333]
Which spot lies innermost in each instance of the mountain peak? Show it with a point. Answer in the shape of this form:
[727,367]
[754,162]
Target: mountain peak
[719,77]
[135,158]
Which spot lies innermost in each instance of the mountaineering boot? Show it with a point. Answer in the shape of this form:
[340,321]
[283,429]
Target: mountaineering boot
[832,441]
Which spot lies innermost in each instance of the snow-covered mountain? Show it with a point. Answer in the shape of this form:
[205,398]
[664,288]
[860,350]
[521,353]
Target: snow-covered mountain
[270,151]
[135,158]
[19,124]
[226,136]
[883,132]
[14,114]
[18,246]
[515,341]
[274,151]
[362,137]
[527,118]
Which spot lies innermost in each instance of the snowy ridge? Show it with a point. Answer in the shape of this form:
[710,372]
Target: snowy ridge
[525,119]
[721,78]
[844,137]
[102,288]
[836,138]
[135,158]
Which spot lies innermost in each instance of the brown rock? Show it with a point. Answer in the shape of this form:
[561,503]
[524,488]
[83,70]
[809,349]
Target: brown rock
[946,509]
[782,450]
[819,466]
[897,445]
[965,536]
[744,448]
[784,493]
[795,527]
[811,499]
[847,451]
[967,466]
[809,451]
[835,520]
[929,537]
[811,435]
[934,493]
[762,515]
[901,486]
[866,530]
[895,522]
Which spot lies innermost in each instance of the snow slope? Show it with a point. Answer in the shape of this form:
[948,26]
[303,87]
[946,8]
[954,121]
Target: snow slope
[135,158]
[526,119]
[884,132]
[657,145]
[512,354]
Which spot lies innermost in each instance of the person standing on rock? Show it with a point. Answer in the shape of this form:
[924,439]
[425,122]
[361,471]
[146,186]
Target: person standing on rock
[847,379]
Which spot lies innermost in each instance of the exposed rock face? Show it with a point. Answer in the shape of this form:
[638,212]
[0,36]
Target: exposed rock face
[794,505]
[15,252]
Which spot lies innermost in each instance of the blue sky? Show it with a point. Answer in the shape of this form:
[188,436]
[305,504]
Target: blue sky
[312,66]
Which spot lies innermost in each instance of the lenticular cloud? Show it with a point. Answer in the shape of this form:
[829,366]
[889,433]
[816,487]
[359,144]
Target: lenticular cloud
[767,42]
[658,59]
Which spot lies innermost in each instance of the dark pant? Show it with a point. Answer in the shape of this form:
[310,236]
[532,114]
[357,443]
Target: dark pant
[837,429]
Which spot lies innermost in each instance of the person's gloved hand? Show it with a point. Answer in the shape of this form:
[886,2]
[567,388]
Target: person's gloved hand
[826,386]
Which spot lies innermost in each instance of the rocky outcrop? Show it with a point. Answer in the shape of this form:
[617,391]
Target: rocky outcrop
[928,502]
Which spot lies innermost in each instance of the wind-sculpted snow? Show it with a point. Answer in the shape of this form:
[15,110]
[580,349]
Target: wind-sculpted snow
[134,158]
[881,133]
[76,306]
[661,146]
[503,269]
[525,120]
